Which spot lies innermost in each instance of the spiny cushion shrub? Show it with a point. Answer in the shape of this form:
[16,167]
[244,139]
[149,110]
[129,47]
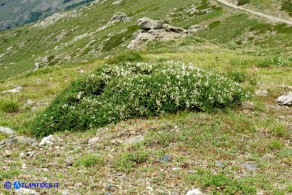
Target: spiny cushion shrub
[117,92]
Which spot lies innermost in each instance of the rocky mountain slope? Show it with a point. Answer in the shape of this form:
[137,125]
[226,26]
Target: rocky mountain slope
[19,12]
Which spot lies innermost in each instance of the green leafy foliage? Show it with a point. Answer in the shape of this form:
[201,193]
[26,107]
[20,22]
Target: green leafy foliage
[119,92]
[228,185]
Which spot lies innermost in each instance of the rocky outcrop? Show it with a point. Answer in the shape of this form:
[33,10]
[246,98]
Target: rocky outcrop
[155,30]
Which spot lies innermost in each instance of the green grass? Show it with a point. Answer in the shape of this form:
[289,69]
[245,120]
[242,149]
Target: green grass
[89,160]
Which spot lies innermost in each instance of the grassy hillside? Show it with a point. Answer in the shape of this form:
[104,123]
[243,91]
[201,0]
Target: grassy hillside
[77,36]
[243,148]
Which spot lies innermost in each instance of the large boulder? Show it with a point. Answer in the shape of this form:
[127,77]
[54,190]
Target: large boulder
[148,24]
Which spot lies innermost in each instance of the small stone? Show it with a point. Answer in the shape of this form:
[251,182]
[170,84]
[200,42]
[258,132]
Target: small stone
[21,155]
[194,192]
[6,130]
[249,167]
[166,158]
[47,140]
[28,141]
[25,191]
[79,184]
[176,168]
[134,140]
[9,141]
[93,140]
[30,154]
[15,90]
[285,99]
[248,106]
[69,162]
[23,166]
[262,93]
[7,153]
[219,164]
[65,192]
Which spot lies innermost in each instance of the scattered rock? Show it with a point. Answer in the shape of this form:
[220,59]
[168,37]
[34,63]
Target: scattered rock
[7,153]
[27,141]
[176,168]
[248,106]
[47,140]
[219,164]
[78,185]
[25,191]
[149,24]
[263,93]
[65,192]
[117,2]
[27,103]
[120,17]
[69,162]
[285,99]
[30,154]
[134,140]
[194,192]
[9,141]
[6,130]
[93,140]
[166,158]
[196,28]
[249,167]
[15,90]
[155,30]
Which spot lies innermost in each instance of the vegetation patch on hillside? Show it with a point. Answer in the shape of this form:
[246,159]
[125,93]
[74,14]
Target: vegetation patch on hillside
[118,92]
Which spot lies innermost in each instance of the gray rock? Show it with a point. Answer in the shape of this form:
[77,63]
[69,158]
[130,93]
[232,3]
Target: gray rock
[176,168]
[147,24]
[196,28]
[15,90]
[120,17]
[9,141]
[166,158]
[6,130]
[285,99]
[219,164]
[248,106]
[194,192]
[134,140]
[263,93]
[249,167]
[27,141]
[25,191]
[47,140]
[93,140]
[69,162]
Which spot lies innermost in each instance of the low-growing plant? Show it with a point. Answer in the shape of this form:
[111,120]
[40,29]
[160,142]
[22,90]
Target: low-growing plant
[206,179]
[88,160]
[129,56]
[128,160]
[120,92]
[9,106]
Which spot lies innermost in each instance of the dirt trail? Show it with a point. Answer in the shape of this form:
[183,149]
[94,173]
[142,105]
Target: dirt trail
[271,18]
